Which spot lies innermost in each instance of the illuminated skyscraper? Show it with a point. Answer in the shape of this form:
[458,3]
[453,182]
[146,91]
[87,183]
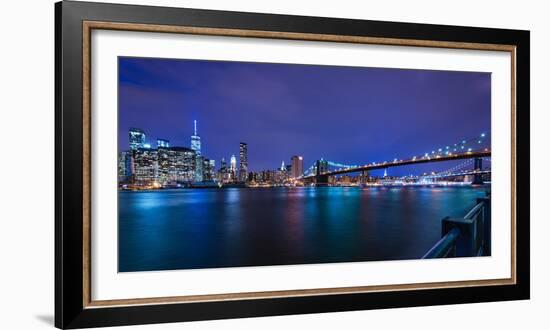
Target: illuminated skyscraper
[162,143]
[211,169]
[208,170]
[196,146]
[146,166]
[196,141]
[124,166]
[176,164]
[137,138]
[233,167]
[199,168]
[297,166]
[243,162]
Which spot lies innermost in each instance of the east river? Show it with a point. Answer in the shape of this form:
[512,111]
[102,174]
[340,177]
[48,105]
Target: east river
[205,228]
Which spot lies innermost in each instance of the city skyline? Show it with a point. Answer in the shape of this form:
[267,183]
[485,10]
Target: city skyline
[143,164]
[139,139]
[375,138]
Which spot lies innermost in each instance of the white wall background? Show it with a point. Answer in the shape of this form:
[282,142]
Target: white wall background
[27,163]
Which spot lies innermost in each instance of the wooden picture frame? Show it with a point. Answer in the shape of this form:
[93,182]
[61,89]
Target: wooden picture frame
[75,308]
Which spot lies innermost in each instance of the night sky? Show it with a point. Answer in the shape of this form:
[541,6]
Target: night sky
[351,115]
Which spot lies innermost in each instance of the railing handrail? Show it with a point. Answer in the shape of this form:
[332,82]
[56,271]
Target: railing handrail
[469,235]
[474,210]
[444,245]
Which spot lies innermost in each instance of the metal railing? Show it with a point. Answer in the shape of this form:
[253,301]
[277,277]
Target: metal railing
[465,237]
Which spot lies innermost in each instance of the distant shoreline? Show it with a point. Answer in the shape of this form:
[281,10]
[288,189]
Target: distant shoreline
[487,184]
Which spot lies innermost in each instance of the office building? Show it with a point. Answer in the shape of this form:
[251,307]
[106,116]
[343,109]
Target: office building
[233,168]
[145,166]
[208,170]
[124,166]
[243,162]
[136,138]
[176,165]
[162,143]
[297,168]
[199,168]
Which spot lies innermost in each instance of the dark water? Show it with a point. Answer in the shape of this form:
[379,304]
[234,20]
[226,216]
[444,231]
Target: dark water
[204,228]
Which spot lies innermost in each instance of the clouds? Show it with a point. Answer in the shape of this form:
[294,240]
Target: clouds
[351,115]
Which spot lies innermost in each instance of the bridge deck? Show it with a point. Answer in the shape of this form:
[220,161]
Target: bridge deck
[378,166]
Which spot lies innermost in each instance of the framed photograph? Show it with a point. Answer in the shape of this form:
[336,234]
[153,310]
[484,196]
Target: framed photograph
[218,164]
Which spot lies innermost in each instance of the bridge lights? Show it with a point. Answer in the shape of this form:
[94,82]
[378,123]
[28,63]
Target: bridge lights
[482,134]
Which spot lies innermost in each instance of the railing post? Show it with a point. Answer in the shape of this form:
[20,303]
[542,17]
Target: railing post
[466,243]
[465,237]
[486,224]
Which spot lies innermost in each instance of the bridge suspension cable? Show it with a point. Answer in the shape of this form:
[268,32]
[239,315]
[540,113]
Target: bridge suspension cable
[479,145]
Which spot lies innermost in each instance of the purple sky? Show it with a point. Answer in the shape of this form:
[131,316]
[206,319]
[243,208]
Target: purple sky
[349,115]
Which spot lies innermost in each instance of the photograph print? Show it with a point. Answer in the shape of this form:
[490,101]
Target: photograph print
[241,164]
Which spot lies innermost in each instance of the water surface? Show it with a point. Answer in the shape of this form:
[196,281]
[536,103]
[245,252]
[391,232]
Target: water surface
[205,228]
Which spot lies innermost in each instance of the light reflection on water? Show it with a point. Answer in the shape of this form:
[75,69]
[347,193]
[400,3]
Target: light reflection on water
[204,228]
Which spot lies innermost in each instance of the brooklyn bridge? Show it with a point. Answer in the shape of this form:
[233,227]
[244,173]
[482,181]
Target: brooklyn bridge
[477,149]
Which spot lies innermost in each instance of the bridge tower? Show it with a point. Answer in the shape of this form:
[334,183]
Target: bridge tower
[478,166]
[321,167]
[364,177]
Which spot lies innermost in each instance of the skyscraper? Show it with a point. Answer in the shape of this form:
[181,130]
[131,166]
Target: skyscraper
[208,171]
[243,162]
[233,167]
[176,164]
[137,138]
[196,146]
[223,173]
[297,166]
[199,168]
[146,166]
[124,166]
[162,143]
[196,141]
[211,169]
